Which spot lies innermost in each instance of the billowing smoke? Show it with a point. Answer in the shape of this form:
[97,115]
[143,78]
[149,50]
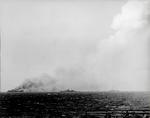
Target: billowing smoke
[127,50]
[39,84]
[120,62]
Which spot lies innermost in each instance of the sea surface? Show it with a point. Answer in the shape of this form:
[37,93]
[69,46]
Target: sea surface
[73,104]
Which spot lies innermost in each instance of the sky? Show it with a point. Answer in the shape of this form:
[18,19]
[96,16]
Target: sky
[83,45]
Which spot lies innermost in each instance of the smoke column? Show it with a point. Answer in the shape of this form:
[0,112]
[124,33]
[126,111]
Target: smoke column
[132,28]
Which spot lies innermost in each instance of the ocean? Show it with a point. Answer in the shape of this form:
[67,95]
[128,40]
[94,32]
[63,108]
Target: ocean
[73,104]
